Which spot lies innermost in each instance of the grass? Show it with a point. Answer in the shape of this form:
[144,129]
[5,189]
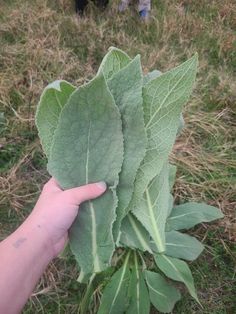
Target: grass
[41,41]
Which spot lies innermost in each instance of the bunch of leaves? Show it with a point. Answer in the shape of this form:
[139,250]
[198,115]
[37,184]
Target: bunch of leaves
[120,128]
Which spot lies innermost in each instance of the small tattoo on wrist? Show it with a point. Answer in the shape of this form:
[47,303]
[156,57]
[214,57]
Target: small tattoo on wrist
[18,242]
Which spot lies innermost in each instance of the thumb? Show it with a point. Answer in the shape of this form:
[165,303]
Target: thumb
[85,192]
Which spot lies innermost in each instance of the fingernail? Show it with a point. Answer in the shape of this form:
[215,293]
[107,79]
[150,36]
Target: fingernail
[102,185]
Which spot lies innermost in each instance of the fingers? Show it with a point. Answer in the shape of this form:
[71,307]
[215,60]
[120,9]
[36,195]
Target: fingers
[52,186]
[85,192]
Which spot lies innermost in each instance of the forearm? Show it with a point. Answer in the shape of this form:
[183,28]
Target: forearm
[24,256]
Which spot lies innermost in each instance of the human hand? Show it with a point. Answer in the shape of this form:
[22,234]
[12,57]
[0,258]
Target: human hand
[56,210]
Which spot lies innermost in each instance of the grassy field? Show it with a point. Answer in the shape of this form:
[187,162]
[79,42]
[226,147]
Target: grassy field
[41,41]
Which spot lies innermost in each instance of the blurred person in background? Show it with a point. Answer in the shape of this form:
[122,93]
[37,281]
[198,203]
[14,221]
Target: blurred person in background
[144,7]
[80,5]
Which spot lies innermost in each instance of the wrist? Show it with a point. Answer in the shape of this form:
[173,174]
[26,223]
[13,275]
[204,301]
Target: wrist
[42,228]
[38,239]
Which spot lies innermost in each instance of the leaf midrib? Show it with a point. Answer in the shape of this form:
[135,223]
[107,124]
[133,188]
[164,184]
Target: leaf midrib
[120,283]
[154,225]
[138,284]
[178,245]
[96,263]
[182,215]
[163,295]
[139,235]
[166,97]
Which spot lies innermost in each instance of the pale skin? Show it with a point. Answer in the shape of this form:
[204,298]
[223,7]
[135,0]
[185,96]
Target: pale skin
[25,254]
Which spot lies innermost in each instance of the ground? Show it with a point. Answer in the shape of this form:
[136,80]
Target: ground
[41,41]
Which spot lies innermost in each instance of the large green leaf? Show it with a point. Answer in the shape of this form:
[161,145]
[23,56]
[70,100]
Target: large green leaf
[113,62]
[163,100]
[190,214]
[52,101]
[126,88]
[134,235]
[162,295]
[139,302]
[115,295]
[151,76]
[179,245]
[182,245]
[177,270]
[153,209]
[88,147]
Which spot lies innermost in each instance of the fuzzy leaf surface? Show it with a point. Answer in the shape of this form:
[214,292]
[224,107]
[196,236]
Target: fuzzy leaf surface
[182,246]
[88,147]
[162,295]
[177,270]
[163,100]
[190,214]
[113,62]
[153,209]
[52,101]
[151,76]
[115,295]
[139,302]
[134,235]
[126,88]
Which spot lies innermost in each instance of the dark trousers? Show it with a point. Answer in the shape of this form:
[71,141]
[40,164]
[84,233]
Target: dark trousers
[81,4]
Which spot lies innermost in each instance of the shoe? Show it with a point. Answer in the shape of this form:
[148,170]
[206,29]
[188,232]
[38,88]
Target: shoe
[144,15]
